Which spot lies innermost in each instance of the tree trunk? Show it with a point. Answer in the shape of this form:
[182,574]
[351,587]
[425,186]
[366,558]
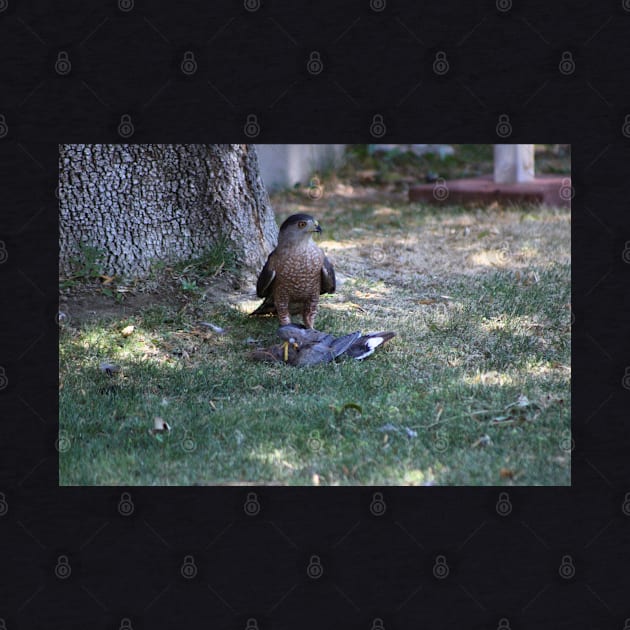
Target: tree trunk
[138,204]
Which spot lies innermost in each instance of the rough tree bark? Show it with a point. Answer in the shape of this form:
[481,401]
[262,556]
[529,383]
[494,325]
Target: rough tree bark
[139,204]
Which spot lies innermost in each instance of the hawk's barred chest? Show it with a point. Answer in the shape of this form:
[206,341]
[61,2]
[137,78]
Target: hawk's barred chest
[300,269]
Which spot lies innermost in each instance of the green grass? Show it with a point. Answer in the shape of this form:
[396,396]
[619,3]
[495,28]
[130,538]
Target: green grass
[469,160]
[398,166]
[473,390]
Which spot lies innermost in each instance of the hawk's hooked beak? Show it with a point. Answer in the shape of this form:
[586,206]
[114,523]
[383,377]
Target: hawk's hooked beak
[317,228]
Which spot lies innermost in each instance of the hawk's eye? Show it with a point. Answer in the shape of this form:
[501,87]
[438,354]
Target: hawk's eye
[301,224]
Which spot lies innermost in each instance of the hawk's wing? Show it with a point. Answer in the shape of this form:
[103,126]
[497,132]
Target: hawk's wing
[265,279]
[328,284]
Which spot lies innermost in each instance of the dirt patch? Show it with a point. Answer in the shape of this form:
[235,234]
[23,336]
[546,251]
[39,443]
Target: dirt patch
[87,302]
[402,243]
[86,306]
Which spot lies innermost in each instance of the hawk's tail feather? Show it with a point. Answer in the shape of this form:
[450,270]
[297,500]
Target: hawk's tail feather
[267,307]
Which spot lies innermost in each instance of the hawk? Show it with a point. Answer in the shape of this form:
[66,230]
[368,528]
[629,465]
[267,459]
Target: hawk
[296,272]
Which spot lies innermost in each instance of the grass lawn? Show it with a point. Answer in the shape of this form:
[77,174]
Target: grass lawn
[473,390]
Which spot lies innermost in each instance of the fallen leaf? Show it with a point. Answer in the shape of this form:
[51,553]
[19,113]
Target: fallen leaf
[159,426]
[388,427]
[339,411]
[367,175]
[353,305]
[559,366]
[522,401]
[500,419]
[550,399]
[440,409]
[213,327]
[560,459]
[484,440]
